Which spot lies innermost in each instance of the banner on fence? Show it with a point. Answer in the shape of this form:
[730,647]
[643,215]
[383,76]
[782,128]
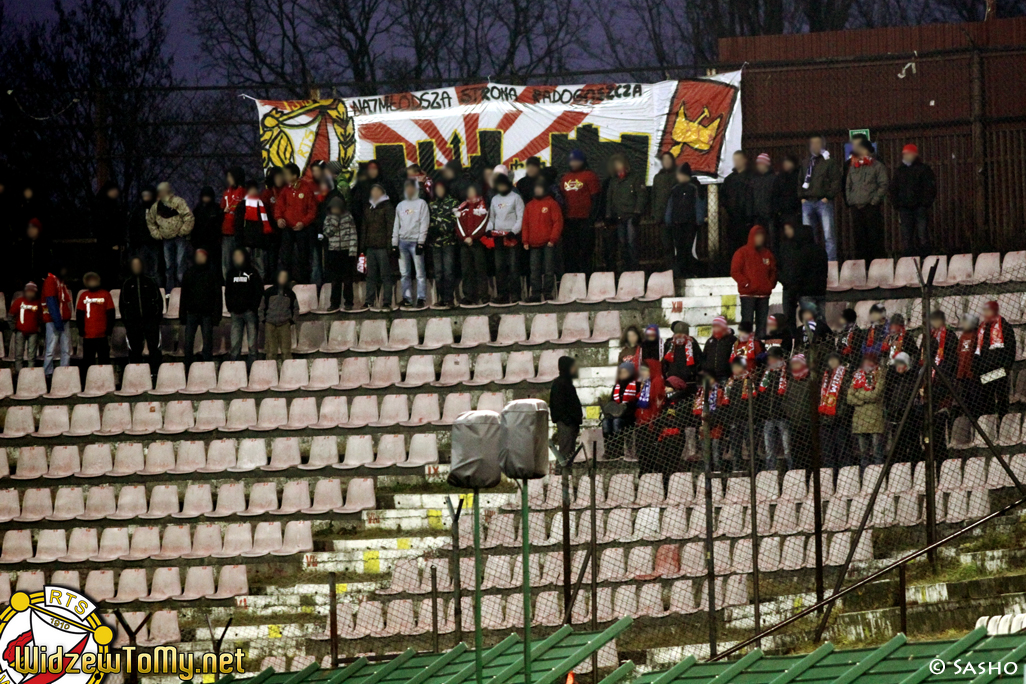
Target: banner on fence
[697,120]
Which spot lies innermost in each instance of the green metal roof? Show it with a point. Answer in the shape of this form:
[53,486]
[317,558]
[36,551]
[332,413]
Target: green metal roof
[552,658]
[896,662]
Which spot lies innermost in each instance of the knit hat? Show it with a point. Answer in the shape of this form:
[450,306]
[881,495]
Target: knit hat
[799,358]
[627,366]
[764,159]
[849,315]
[684,169]
[902,358]
[720,320]
[680,328]
[897,319]
[36,223]
[577,155]
[910,149]
[500,170]
[31,287]
[676,383]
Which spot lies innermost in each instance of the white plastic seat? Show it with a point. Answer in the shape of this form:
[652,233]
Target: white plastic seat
[100,503]
[960,271]
[238,538]
[210,416]
[402,336]
[284,454]
[163,502]
[64,462]
[231,500]
[252,455]
[113,545]
[373,336]
[306,297]
[323,375]
[359,496]
[178,418]
[437,334]
[420,370]
[544,329]
[355,373]
[69,503]
[327,496]
[170,379]
[341,336]
[548,366]
[519,368]
[273,414]
[231,377]
[455,370]
[575,328]
[302,414]
[394,410]
[572,288]
[601,287]
[263,375]
[31,384]
[660,285]
[99,381]
[487,369]
[198,501]
[630,287]
[607,327]
[116,419]
[53,421]
[475,332]
[512,330]
[881,274]
[19,422]
[167,583]
[988,268]
[146,418]
[455,404]
[66,382]
[220,456]
[199,583]
[295,496]
[36,505]
[294,374]
[424,411]
[334,411]
[242,415]
[310,337]
[85,420]
[266,538]
[362,412]
[82,545]
[851,276]
[297,538]
[384,372]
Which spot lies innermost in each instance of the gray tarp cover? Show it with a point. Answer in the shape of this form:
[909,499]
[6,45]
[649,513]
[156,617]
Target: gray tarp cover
[524,442]
[475,450]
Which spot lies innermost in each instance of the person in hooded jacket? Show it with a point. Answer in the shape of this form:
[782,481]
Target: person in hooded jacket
[342,252]
[813,330]
[789,267]
[565,408]
[109,230]
[651,398]
[296,215]
[532,173]
[206,233]
[201,305]
[443,242]
[141,244]
[662,183]
[754,269]
[719,349]
[541,232]
[733,412]
[505,221]
[651,345]
[235,179]
[142,311]
[471,223]
[243,290]
[581,189]
[625,203]
[850,337]
[680,223]
[376,238]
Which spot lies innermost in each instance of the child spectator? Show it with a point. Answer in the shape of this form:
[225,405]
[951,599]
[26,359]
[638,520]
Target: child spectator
[867,422]
[343,252]
[898,341]
[252,230]
[376,237]
[682,357]
[278,311]
[542,228]
[471,223]
[772,390]
[719,349]
[799,411]
[25,311]
[618,413]
[877,331]
[754,269]
[737,393]
[833,414]
[443,242]
[505,221]
[850,338]
[651,345]
[746,345]
[630,346]
[95,318]
[409,235]
[778,334]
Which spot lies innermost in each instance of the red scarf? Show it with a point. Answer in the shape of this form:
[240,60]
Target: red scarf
[256,211]
[997,334]
[715,399]
[830,390]
[856,162]
[871,337]
[863,380]
[894,341]
[681,341]
[849,339]
[966,345]
[747,349]
[625,392]
[744,377]
[781,383]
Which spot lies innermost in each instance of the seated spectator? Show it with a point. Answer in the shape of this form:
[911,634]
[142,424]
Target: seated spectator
[630,346]
[142,312]
[471,223]
[243,291]
[409,235]
[913,191]
[95,318]
[376,238]
[778,334]
[541,232]
[444,244]
[775,429]
[56,319]
[812,328]
[833,412]
[866,396]
[201,306]
[898,340]
[754,269]
[26,313]
[618,413]
[747,344]
[651,345]
[342,252]
[995,352]
[850,338]
[877,332]
[799,412]
[901,389]
[682,356]
[719,349]
[278,311]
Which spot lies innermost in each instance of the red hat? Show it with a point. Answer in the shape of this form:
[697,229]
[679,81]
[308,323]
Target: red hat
[763,159]
[676,383]
[36,222]
[910,149]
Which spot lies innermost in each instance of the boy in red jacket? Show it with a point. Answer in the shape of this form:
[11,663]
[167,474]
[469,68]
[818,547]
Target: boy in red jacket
[754,268]
[295,212]
[542,228]
[95,308]
[471,217]
[26,313]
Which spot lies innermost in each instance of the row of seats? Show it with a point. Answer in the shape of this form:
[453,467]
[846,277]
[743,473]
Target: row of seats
[178,417]
[1008,623]
[222,455]
[99,503]
[958,270]
[167,584]
[240,539]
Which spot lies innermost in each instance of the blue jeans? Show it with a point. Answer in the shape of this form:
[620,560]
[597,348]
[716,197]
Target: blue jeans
[227,247]
[819,213]
[445,272]
[771,428]
[53,339]
[871,448]
[244,323]
[408,261]
[627,237]
[176,253]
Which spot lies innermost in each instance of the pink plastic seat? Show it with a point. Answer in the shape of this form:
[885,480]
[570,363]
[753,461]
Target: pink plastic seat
[31,460]
[341,337]
[66,382]
[302,414]
[252,455]
[323,375]
[83,544]
[546,611]
[10,505]
[199,583]
[607,327]
[53,421]
[198,501]
[575,328]
[1013,268]
[601,287]
[294,374]
[146,418]
[99,381]
[474,332]
[310,336]
[100,503]
[295,496]
[988,268]
[660,285]
[131,503]
[334,411]
[263,498]
[231,500]
[17,546]
[242,415]
[548,366]
[394,410]
[202,378]
[35,506]
[327,496]
[881,274]
[455,370]
[391,451]
[170,379]
[163,502]
[266,538]
[424,411]
[402,336]
[6,384]
[373,336]
[362,412]
[297,538]
[230,378]
[167,583]
[359,496]
[852,276]
[117,419]
[220,456]
[487,369]
[959,272]
[206,541]
[31,384]
[64,462]
[905,273]
[512,330]
[420,370]
[544,329]
[630,287]
[113,545]
[178,418]
[19,422]
[385,372]
[210,416]
[437,334]
[69,503]
[519,368]
[238,539]
[285,454]
[273,414]
[572,288]
[355,373]
[455,404]
[85,420]
[262,376]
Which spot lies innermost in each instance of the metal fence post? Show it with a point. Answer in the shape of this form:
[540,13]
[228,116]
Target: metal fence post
[434,609]
[709,560]
[816,463]
[749,388]
[931,472]
[333,618]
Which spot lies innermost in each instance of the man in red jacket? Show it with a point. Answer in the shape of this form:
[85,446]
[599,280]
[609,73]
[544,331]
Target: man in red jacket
[581,188]
[295,212]
[541,230]
[755,270]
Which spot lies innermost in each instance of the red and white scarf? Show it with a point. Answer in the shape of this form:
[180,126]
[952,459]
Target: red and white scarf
[714,399]
[745,385]
[745,348]
[997,334]
[256,211]
[894,341]
[830,390]
[849,339]
[689,350]
[864,380]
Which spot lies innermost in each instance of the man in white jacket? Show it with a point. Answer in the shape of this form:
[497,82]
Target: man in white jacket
[409,233]
[505,219]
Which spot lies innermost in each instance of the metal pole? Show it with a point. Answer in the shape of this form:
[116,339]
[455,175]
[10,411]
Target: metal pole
[752,472]
[817,467]
[593,474]
[333,617]
[434,609]
[931,473]
[526,536]
[709,561]
[902,603]
[457,593]
[478,639]
[567,548]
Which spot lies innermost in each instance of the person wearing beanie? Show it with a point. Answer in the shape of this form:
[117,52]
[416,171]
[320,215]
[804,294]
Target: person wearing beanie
[25,314]
[57,312]
[444,243]
[747,345]
[779,333]
[471,224]
[820,184]
[171,221]
[754,269]
[140,243]
[505,221]
[787,206]
[295,215]
[378,219]
[243,291]
[682,357]
[625,203]
[680,223]
[142,312]
[719,349]
[763,182]
[409,237]
[833,411]
[581,188]
[540,234]
[773,388]
[201,305]
[525,185]
[95,314]
[866,395]
[812,329]
[913,191]
[865,190]
[898,341]
[235,191]
[850,337]
[995,353]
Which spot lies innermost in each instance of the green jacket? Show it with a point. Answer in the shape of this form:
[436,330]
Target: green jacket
[868,415]
[376,232]
[442,229]
[625,197]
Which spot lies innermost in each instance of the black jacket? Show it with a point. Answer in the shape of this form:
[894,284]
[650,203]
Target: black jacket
[762,195]
[1002,357]
[564,405]
[682,204]
[675,360]
[242,289]
[913,186]
[897,393]
[786,203]
[138,231]
[30,261]
[201,291]
[141,302]
[206,232]
[782,337]
[802,264]
[738,198]
[108,219]
[717,355]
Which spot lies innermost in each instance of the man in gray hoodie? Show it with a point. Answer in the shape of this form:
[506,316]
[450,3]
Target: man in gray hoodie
[409,233]
[505,219]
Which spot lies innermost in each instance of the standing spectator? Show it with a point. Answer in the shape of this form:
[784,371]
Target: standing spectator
[821,183]
[201,306]
[376,238]
[877,332]
[754,269]
[141,244]
[944,345]
[32,255]
[779,333]
[625,203]
[789,269]
[850,337]
[109,230]
[682,357]
[235,179]
[866,395]
[787,206]
[471,222]
[736,196]
[171,221]
[541,231]
[252,230]
[565,408]
[763,183]
[967,379]
[581,188]
[733,412]
[833,414]
[296,211]
[719,349]
[370,177]
[343,252]
[913,191]
[424,182]
[443,242]
[278,311]
[243,292]
[56,316]
[995,353]
[505,221]
[532,172]
[458,179]
[812,329]
[142,311]
[274,186]
[898,341]
[865,190]
[772,391]
[630,346]
[659,196]
[651,398]
[95,318]
[409,235]
[206,234]
[901,386]
[680,223]
[798,411]
[25,312]
[802,269]
[618,414]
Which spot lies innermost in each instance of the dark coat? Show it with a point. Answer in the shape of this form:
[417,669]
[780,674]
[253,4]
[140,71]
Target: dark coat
[564,404]
[243,288]
[762,195]
[141,302]
[992,359]
[376,229]
[201,291]
[625,197]
[108,219]
[682,205]
[824,180]
[30,261]
[138,230]
[206,232]
[786,202]
[913,186]
[662,185]
[737,196]
[675,360]
[802,266]
[717,355]
[770,404]
[796,402]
